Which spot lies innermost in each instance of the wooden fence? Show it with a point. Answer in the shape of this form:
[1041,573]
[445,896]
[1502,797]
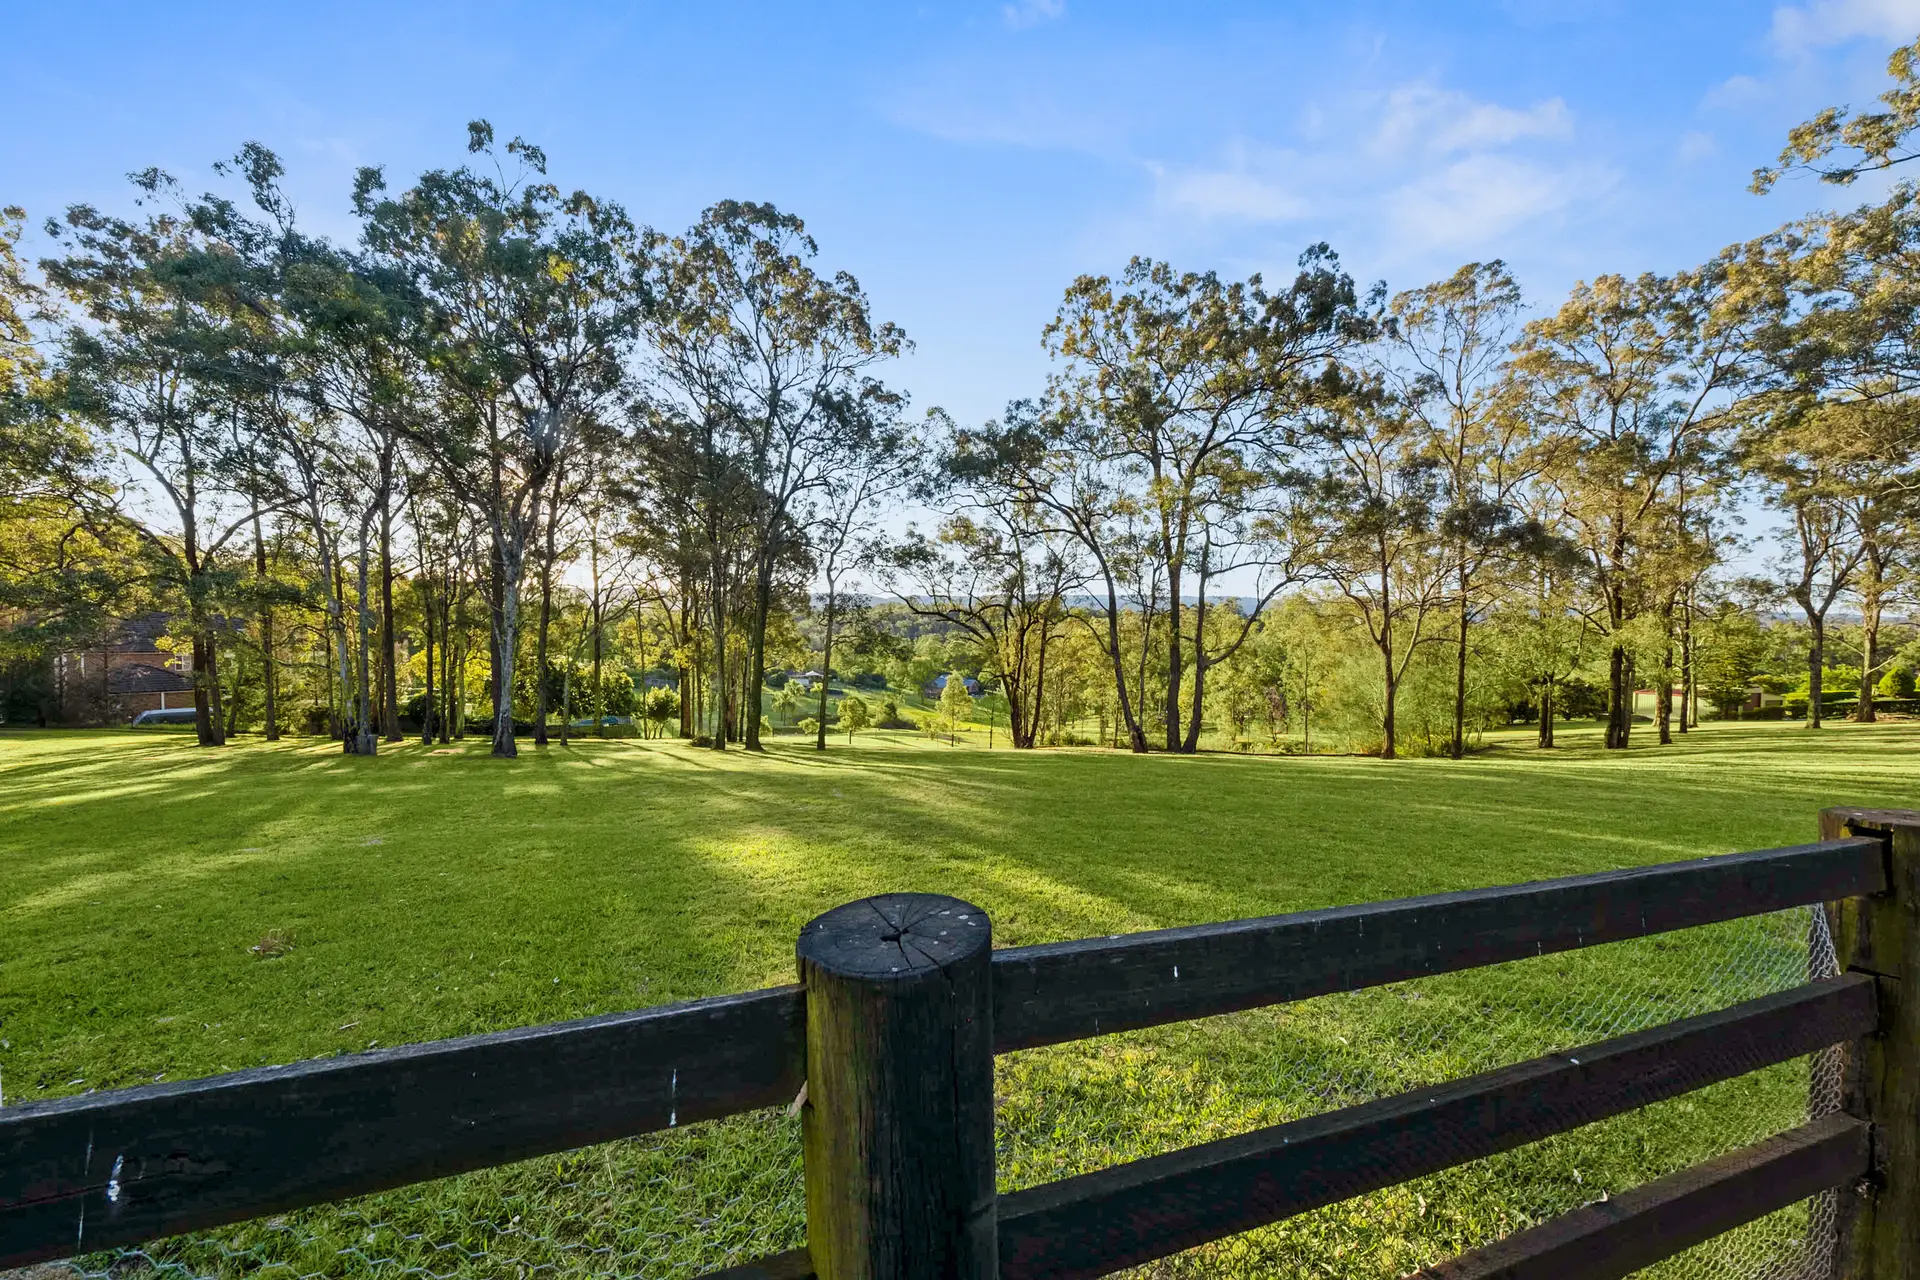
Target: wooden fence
[889,1041]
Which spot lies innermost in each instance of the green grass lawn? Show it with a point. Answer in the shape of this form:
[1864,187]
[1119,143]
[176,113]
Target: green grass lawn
[425,894]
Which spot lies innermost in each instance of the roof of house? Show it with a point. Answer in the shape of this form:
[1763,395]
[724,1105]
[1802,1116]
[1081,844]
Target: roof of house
[141,677]
[141,633]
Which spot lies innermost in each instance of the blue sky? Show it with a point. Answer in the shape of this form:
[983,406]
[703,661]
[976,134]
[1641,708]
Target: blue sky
[966,160]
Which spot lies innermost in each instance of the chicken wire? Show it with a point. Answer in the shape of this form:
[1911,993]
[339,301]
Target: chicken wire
[680,1203]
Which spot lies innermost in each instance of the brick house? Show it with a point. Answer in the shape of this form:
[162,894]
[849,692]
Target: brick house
[129,673]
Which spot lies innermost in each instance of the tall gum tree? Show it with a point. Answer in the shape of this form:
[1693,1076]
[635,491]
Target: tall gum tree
[1187,384]
[1634,385]
[1447,362]
[760,352]
[137,369]
[528,299]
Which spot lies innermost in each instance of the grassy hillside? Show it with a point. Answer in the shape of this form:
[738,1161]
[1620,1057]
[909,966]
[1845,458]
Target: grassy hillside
[171,912]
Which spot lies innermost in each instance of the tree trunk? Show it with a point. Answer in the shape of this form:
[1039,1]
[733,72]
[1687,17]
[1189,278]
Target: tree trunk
[269,666]
[1174,673]
[1136,733]
[505,636]
[426,633]
[1871,607]
[1816,665]
[390,682]
[755,669]
[717,591]
[1546,714]
[366,742]
[1687,712]
[540,708]
[1387,727]
[1619,699]
[1663,694]
[1191,744]
[1024,736]
[826,673]
[1459,745]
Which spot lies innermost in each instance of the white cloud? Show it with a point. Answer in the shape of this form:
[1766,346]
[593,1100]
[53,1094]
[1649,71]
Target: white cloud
[1446,120]
[1476,199]
[1797,28]
[1234,194]
[1735,93]
[1695,145]
[1031,13]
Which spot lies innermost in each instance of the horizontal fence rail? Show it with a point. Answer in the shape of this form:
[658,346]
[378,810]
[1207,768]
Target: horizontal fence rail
[1133,1213]
[1072,990]
[1637,1228]
[122,1167]
[129,1165]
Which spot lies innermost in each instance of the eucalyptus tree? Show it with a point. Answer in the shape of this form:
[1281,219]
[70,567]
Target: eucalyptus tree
[139,367]
[757,355]
[996,568]
[1448,363]
[527,301]
[1047,461]
[1188,385]
[66,566]
[1819,559]
[1633,384]
[879,452]
[1838,146]
[1379,497]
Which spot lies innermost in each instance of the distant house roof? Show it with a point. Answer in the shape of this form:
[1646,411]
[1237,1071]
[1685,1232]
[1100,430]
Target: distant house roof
[141,633]
[141,677]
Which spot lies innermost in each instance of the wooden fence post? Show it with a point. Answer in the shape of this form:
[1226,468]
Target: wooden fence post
[1879,1227]
[898,1120]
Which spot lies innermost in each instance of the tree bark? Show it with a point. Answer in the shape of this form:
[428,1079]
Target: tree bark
[505,636]
[1619,699]
[269,667]
[1174,673]
[755,673]
[826,673]
[365,741]
[1459,744]
[1816,665]
[1871,607]
[390,678]
[1546,714]
[1686,661]
[1663,695]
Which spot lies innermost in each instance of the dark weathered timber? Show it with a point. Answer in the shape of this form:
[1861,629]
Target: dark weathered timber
[1878,1232]
[134,1164]
[898,1124]
[1613,1238]
[1072,990]
[794,1264]
[1100,1222]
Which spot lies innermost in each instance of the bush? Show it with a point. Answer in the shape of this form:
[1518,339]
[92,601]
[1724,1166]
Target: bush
[809,726]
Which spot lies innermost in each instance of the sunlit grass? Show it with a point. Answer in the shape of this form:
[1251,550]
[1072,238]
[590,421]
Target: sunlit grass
[418,895]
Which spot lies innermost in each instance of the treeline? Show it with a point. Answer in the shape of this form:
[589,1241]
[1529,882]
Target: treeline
[517,456]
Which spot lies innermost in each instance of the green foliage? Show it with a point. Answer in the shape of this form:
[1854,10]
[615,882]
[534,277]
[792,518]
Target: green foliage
[956,704]
[659,707]
[855,715]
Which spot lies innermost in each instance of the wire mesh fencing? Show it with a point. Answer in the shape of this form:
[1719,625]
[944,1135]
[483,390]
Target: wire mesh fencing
[684,1202]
